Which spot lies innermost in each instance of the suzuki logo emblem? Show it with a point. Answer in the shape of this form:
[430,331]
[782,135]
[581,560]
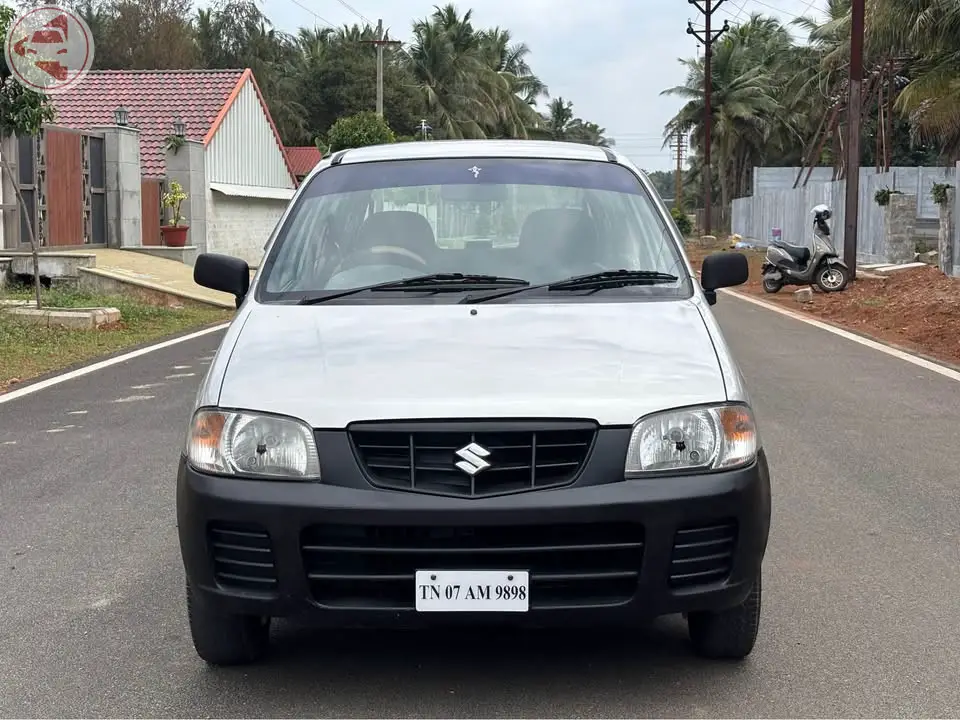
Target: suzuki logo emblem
[473,459]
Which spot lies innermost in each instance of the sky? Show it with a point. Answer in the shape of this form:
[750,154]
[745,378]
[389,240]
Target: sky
[611,58]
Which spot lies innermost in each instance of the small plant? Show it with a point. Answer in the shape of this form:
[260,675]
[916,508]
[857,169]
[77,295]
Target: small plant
[174,142]
[682,220]
[939,193]
[882,196]
[173,199]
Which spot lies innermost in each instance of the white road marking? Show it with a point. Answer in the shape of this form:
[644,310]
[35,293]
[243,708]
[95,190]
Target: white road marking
[206,358]
[56,430]
[9,442]
[77,412]
[179,375]
[135,398]
[181,367]
[147,386]
[101,603]
[873,344]
[50,382]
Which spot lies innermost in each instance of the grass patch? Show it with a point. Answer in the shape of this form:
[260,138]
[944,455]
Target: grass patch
[27,351]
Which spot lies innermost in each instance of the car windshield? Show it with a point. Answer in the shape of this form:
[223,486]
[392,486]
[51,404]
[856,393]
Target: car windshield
[507,219]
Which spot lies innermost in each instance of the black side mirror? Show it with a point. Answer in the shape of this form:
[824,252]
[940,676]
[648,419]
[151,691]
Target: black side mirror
[720,270]
[223,273]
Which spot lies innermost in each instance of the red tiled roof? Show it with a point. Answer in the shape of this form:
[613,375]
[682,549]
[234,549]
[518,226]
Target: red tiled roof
[153,98]
[302,159]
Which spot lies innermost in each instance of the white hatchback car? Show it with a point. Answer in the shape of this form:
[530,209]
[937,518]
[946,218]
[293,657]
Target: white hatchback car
[473,381]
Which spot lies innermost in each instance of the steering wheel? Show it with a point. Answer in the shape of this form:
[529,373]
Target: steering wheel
[384,255]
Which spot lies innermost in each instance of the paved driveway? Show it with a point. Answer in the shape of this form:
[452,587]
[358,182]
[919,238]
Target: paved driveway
[861,615]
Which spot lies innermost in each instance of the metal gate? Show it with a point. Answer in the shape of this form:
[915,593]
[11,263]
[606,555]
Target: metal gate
[62,176]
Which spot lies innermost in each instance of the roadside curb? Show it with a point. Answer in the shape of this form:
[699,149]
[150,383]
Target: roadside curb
[927,362]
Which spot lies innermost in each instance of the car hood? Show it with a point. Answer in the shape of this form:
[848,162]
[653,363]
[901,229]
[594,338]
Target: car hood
[336,364]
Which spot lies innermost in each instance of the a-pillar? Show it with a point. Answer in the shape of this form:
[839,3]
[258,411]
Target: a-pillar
[186,165]
[123,185]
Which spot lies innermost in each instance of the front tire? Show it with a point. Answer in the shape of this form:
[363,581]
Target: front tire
[728,634]
[832,278]
[223,639]
[771,284]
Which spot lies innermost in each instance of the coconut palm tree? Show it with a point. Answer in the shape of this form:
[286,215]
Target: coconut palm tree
[745,107]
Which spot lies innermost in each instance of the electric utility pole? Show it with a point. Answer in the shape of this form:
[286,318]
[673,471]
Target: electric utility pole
[380,42]
[854,109]
[679,145]
[709,36]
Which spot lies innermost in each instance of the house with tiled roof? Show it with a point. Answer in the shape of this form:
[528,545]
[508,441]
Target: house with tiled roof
[302,160]
[248,178]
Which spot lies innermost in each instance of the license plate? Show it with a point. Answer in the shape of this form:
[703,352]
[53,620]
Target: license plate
[473,590]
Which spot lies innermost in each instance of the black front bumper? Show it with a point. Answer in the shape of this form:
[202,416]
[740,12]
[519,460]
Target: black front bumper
[602,549]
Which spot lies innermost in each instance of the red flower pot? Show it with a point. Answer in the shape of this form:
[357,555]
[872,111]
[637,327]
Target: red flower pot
[174,236]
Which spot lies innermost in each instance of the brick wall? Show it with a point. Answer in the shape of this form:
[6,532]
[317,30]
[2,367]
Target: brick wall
[241,226]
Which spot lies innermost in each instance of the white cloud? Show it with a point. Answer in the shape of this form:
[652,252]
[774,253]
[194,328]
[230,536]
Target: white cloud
[611,58]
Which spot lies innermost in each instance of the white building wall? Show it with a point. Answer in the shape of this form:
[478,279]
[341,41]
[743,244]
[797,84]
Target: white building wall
[241,226]
[244,150]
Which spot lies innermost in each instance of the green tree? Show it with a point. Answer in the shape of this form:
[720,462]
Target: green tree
[22,113]
[560,123]
[364,128]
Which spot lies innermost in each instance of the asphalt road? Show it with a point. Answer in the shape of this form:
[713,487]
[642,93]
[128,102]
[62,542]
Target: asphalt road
[862,582]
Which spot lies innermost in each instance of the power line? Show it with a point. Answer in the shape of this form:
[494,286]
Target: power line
[356,12]
[318,17]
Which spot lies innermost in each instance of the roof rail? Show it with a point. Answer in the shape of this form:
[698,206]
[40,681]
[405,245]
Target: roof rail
[338,158]
[609,153]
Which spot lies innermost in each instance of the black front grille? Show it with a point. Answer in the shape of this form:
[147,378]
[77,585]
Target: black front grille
[424,458]
[703,555]
[575,565]
[242,556]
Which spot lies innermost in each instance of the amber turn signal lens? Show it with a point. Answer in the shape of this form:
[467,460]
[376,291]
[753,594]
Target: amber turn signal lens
[738,426]
[207,430]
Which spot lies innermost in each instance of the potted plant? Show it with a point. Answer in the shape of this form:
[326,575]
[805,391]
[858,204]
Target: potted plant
[175,234]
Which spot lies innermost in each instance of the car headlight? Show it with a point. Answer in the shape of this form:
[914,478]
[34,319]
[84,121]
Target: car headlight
[252,445]
[719,437]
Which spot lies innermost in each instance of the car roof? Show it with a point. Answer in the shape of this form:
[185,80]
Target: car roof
[431,149]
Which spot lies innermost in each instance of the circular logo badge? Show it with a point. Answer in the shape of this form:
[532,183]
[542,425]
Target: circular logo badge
[49,49]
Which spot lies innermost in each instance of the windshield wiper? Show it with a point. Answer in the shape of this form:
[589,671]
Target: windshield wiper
[434,282]
[613,279]
[593,282]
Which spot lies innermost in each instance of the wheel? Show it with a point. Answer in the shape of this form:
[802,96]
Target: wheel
[772,284]
[727,634]
[832,278]
[224,639]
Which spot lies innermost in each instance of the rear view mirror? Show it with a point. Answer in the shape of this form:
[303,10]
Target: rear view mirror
[223,273]
[723,269]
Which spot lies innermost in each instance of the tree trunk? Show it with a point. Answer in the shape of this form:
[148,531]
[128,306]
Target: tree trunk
[34,251]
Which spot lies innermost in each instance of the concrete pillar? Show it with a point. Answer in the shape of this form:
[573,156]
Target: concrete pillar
[901,221]
[955,270]
[124,202]
[187,166]
[948,230]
